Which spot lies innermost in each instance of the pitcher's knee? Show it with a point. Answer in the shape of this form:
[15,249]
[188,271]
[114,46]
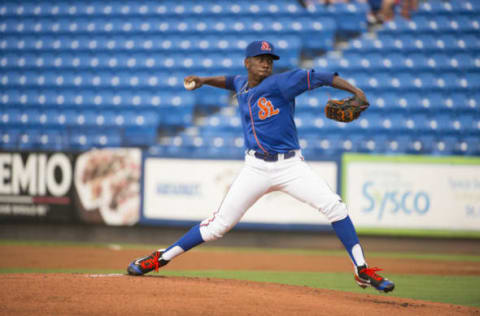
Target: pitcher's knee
[335,211]
[213,229]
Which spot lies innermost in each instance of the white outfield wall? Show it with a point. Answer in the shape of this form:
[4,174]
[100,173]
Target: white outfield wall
[412,192]
[191,190]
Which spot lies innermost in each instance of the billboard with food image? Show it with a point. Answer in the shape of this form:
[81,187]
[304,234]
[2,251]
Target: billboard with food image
[107,185]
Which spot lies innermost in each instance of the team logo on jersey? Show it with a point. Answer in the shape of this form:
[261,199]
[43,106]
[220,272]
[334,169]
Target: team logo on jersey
[266,46]
[266,109]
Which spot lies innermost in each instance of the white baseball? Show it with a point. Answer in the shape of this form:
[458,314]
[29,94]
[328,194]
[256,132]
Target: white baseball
[189,85]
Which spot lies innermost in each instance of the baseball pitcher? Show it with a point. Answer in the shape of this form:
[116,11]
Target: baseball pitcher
[273,159]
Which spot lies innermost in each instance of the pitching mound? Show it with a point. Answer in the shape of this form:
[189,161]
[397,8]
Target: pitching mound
[116,294]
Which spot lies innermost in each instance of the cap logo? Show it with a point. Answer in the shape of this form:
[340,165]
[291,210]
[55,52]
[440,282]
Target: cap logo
[265,46]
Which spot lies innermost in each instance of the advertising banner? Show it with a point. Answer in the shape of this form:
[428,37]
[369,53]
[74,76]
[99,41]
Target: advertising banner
[107,186]
[191,190]
[36,185]
[413,191]
[98,186]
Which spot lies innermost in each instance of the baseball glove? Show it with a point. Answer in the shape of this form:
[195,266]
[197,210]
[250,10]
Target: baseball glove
[345,110]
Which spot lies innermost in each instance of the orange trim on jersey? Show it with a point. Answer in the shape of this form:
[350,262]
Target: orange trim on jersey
[253,126]
[308,80]
[211,219]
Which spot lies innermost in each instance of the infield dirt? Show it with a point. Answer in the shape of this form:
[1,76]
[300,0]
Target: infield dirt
[117,294]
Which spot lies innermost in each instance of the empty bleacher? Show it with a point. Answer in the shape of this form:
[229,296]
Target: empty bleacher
[82,74]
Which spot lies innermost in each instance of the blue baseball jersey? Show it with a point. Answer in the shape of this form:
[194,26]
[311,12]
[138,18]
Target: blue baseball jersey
[267,110]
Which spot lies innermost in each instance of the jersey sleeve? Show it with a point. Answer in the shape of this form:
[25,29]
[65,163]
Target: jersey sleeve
[295,82]
[230,83]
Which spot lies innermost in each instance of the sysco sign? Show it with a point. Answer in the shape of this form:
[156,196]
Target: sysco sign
[394,202]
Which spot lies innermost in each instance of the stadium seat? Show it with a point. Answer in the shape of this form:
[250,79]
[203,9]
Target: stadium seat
[398,144]
[471,146]
[375,143]
[9,138]
[51,140]
[78,68]
[78,140]
[107,140]
[444,145]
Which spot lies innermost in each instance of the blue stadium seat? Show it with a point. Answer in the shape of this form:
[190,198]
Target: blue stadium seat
[472,146]
[444,145]
[78,140]
[464,62]
[419,61]
[377,100]
[84,118]
[9,96]
[421,123]
[476,125]
[64,63]
[48,117]
[399,26]
[400,101]
[422,144]
[107,140]
[31,117]
[328,144]
[434,8]
[465,7]
[394,123]
[468,124]
[429,101]
[384,62]
[467,23]
[471,41]
[454,102]
[428,80]
[433,125]
[398,144]
[29,139]
[9,138]
[352,62]
[12,116]
[377,143]
[448,124]
[379,81]
[472,81]
[51,140]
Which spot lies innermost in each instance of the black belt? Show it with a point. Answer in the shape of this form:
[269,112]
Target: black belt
[274,157]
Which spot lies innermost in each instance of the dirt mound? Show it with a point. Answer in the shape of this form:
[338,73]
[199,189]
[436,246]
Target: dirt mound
[118,294]
[115,294]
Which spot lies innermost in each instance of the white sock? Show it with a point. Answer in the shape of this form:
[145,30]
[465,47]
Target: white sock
[172,253]
[357,254]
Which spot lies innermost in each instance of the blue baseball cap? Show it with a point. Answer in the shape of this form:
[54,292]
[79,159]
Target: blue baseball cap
[257,48]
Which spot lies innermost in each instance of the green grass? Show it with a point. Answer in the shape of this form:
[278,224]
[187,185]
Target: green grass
[287,251]
[342,253]
[43,243]
[419,233]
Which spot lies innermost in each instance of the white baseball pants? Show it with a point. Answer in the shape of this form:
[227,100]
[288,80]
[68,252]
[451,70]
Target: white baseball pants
[258,177]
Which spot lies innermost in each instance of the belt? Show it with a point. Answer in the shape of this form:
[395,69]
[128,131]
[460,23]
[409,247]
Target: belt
[271,157]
